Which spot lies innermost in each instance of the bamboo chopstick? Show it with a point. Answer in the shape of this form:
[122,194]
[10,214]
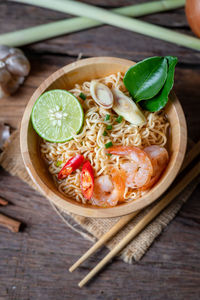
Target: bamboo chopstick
[145,220]
[191,155]
[194,152]
[120,224]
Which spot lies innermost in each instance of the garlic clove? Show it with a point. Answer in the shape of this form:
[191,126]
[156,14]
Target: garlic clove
[101,94]
[4,134]
[4,51]
[127,108]
[3,92]
[14,66]
[13,51]
[12,85]
[18,65]
[4,74]
[20,79]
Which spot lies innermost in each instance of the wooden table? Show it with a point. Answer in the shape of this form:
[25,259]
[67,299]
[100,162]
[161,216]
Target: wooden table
[34,263]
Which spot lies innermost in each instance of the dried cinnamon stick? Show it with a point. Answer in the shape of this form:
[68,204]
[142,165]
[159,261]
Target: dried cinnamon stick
[10,223]
[3,202]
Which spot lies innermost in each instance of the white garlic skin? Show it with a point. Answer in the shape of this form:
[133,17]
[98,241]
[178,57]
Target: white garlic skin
[13,85]
[4,134]
[14,67]
[4,51]
[18,65]
[4,74]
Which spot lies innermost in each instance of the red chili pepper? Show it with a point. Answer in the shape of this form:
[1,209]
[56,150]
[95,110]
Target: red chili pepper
[87,180]
[72,164]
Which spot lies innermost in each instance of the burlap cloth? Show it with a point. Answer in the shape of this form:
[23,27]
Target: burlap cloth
[91,228]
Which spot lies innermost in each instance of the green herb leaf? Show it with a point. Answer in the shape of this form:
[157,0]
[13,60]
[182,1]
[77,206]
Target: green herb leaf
[82,96]
[160,100]
[58,163]
[119,119]
[107,118]
[108,145]
[105,133]
[109,127]
[145,79]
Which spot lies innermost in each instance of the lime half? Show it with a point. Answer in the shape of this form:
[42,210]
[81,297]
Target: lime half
[57,115]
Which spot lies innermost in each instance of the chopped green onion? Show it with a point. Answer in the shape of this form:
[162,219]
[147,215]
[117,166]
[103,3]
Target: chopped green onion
[59,162]
[107,118]
[108,154]
[119,119]
[108,145]
[82,96]
[109,127]
[105,133]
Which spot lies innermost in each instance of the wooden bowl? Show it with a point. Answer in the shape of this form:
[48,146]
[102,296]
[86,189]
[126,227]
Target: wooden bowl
[65,78]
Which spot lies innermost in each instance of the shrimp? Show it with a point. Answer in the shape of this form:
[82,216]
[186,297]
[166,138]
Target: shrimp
[140,170]
[159,158]
[109,190]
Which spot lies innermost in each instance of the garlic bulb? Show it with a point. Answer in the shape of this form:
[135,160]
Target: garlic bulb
[4,134]
[101,94]
[14,66]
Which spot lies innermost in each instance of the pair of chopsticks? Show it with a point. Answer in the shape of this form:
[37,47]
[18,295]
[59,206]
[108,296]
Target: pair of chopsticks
[166,200]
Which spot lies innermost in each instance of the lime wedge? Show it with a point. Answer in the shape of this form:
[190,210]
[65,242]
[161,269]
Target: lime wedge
[57,115]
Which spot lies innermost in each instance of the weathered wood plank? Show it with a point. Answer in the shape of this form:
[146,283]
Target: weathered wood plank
[112,41]
[104,40]
[34,263]
[37,15]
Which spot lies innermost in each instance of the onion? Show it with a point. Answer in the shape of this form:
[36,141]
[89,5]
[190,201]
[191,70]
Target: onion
[192,10]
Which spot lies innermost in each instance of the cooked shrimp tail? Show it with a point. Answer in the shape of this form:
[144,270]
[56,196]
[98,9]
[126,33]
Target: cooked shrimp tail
[140,168]
[109,189]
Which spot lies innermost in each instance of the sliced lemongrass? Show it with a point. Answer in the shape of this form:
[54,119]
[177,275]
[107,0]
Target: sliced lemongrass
[101,94]
[108,17]
[46,31]
[126,107]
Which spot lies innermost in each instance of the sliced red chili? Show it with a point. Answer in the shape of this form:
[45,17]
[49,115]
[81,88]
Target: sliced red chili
[72,164]
[87,180]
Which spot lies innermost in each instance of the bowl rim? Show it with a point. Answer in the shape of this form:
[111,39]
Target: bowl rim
[78,208]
